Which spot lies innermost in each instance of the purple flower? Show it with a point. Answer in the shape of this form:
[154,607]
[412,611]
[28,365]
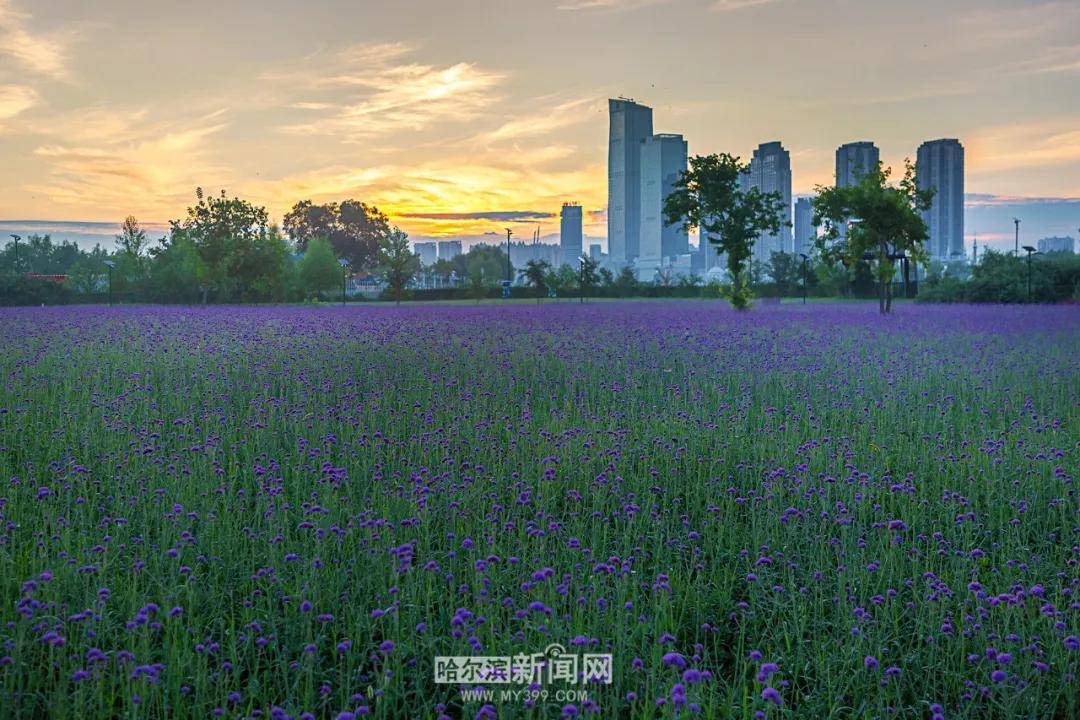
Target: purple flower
[674,659]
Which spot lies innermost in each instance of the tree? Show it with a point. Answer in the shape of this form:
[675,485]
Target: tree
[476,272]
[882,221]
[709,196]
[354,229]
[588,277]
[231,237]
[132,238]
[535,274]
[626,283]
[319,269]
[563,278]
[177,273]
[397,262]
[785,270]
[607,278]
[89,273]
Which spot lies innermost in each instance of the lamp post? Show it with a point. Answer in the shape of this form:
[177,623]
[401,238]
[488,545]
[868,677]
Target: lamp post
[902,257]
[509,280]
[110,264]
[15,262]
[1030,251]
[804,259]
[344,264]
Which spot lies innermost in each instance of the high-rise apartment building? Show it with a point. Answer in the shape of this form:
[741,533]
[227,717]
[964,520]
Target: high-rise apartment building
[449,249]
[805,231]
[663,161]
[770,172]
[940,165]
[428,252]
[853,160]
[629,125]
[570,233]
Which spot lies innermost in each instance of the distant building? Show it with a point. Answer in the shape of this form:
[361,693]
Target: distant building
[449,249]
[805,231]
[428,252]
[663,160]
[522,252]
[570,233]
[855,159]
[940,165]
[594,251]
[629,125]
[709,253]
[1057,245]
[770,171]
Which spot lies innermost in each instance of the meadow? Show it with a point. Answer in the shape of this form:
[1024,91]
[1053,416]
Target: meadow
[796,512]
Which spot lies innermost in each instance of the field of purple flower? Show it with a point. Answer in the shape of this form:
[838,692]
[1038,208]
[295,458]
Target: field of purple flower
[800,512]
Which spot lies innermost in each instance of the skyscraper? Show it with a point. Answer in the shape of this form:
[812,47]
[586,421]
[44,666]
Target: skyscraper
[805,232]
[427,251]
[770,171]
[940,165]
[630,124]
[663,160]
[449,249]
[570,233]
[855,159]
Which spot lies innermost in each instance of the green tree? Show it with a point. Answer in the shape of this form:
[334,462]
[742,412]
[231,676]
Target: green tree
[535,275]
[354,229]
[177,272]
[478,279]
[563,278]
[319,269]
[232,239]
[588,275]
[626,283]
[881,221]
[132,239]
[89,274]
[785,270]
[397,262]
[709,196]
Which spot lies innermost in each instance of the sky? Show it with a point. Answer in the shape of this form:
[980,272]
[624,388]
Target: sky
[461,118]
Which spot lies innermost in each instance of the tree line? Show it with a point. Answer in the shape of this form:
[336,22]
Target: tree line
[223,250]
[226,250]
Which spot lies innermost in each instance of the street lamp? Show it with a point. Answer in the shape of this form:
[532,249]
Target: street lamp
[15,263]
[344,264]
[110,264]
[509,280]
[804,257]
[1030,251]
[903,258]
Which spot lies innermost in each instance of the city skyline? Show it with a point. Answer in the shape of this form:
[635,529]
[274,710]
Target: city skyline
[459,134]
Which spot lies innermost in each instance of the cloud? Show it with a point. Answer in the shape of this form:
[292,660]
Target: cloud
[729,5]
[15,99]
[371,90]
[545,121]
[1056,59]
[151,170]
[1041,143]
[972,200]
[40,54]
[499,215]
[606,5]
